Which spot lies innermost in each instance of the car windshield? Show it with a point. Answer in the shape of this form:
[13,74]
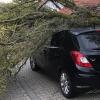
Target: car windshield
[89,41]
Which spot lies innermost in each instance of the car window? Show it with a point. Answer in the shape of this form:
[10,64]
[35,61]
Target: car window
[58,39]
[89,41]
[62,39]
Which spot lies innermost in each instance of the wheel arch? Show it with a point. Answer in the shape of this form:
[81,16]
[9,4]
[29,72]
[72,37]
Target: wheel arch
[68,70]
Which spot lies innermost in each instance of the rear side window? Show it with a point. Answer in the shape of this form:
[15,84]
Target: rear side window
[62,39]
[89,41]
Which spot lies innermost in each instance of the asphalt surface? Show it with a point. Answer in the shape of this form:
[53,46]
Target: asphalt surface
[39,86]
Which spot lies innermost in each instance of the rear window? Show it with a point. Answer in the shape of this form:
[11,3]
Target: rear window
[89,41]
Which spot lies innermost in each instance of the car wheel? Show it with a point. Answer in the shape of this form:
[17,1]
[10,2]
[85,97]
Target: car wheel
[66,85]
[33,64]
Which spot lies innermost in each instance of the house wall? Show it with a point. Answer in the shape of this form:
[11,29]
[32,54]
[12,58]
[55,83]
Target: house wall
[87,2]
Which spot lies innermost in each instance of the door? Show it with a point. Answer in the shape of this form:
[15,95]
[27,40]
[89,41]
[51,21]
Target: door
[54,52]
[41,56]
[52,58]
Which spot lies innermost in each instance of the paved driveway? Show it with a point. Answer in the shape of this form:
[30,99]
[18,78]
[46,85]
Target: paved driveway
[38,86]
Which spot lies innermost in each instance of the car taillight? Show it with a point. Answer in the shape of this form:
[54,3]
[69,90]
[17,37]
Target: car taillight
[80,59]
[97,30]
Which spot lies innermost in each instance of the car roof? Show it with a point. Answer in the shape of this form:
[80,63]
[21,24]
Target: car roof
[78,31]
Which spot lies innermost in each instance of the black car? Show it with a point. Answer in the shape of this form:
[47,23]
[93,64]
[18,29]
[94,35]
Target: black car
[73,56]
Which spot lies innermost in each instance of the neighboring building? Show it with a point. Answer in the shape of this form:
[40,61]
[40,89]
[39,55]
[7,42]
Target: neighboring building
[87,2]
[68,11]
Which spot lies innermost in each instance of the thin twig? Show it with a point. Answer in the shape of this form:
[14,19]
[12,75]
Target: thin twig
[21,67]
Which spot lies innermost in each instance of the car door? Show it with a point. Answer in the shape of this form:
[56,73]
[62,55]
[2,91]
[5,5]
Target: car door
[52,58]
[58,51]
[53,53]
[41,56]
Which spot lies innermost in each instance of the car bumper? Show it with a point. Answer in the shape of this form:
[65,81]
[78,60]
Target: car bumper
[93,81]
[87,77]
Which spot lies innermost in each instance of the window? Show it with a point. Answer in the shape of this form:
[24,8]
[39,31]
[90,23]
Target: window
[89,41]
[62,39]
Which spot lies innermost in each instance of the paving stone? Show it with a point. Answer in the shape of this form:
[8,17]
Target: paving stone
[38,86]
[21,98]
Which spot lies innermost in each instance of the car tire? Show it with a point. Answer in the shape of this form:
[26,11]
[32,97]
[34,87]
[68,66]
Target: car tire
[33,64]
[66,85]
